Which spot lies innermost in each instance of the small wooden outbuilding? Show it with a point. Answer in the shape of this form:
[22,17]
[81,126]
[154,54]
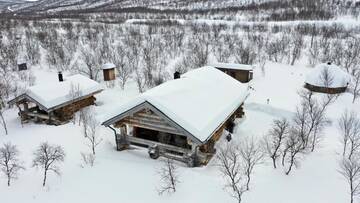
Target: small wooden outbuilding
[241,72]
[57,102]
[21,62]
[327,78]
[108,71]
[181,119]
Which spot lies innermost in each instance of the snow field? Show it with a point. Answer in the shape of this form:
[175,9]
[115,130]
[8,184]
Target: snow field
[130,176]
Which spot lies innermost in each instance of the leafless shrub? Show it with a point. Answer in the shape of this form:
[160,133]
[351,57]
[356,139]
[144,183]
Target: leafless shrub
[48,157]
[230,166]
[347,53]
[32,47]
[278,47]
[222,48]
[275,139]
[10,164]
[310,118]
[90,130]
[198,51]
[169,177]
[133,43]
[244,52]
[325,51]
[314,52]
[355,84]
[3,91]
[122,59]
[350,170]
[74,93]
[92,64]
[297,43]
[88,159]
[346,125]
[349,126]
[252,154]
[294,148]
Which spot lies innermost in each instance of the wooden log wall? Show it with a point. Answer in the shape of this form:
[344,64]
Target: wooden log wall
[326,90]
[67,112]
[149,120]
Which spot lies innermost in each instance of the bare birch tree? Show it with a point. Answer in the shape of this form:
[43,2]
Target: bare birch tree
[48,157]
[74,93]
[346,124]
[294,148]
[310,119]
[350,170]
[230,166]
[90,130]
[355,85]
[169,177]
[297,42]
[121,58]
[3,91]
[252,154]
[91,62]
[354,140]
[3,121]
[275,139]
[10,164]
[314,52]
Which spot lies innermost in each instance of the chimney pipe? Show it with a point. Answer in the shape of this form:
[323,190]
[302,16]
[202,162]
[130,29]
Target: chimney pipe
[176,75]
[60,76]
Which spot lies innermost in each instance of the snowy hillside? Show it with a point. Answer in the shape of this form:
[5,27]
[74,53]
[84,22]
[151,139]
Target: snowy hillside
[169,9]
[58,5]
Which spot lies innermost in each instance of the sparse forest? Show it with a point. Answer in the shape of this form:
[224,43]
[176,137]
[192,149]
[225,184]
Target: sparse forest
[144,53]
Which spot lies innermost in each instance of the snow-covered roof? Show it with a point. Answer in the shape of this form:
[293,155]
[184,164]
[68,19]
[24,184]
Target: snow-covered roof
[233,66]
[57,93]
[338,77]
[200,101]
[108,66]
[21,60]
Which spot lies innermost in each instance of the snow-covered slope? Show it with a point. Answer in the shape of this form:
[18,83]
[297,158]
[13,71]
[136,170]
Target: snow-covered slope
[102,5]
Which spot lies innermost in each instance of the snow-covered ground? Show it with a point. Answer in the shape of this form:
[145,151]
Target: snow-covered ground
[131,176]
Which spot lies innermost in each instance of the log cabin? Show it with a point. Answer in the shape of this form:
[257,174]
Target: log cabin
[56,103]
[181,119]
[241,72]
[327,78]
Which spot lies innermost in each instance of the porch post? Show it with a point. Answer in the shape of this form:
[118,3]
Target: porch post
[193,158]
[122,141]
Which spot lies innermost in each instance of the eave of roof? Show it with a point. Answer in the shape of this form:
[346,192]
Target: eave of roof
[25,96]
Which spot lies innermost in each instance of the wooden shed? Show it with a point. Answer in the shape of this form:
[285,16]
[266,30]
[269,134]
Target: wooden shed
[108,71]
[21,62]
[181,119]
[57,102]
[241,72]
[327,78]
